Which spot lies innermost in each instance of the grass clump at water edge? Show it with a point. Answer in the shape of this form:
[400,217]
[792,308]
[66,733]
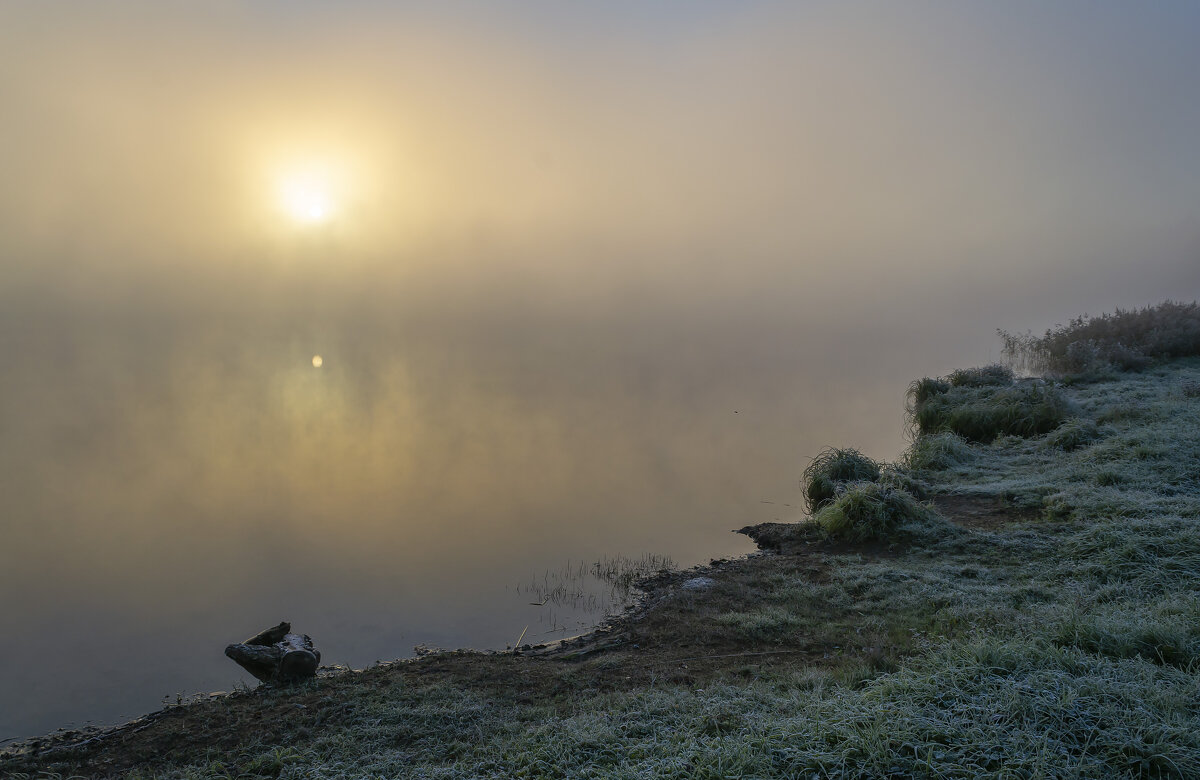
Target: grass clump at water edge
[871,512]
[832,469]
[986,376]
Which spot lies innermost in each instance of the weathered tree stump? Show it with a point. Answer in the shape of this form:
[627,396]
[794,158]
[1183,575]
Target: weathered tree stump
[277,655]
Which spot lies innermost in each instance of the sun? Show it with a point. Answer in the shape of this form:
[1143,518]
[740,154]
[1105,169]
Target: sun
[306,198]
[312,187]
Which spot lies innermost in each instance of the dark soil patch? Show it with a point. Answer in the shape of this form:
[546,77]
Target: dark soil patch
[803,539]
[986,513]
[983,512]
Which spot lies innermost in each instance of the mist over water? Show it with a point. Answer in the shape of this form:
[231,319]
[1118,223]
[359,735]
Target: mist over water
[175,484]
[594,282]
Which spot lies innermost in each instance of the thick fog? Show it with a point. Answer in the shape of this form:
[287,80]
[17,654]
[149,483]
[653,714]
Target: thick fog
[594,279]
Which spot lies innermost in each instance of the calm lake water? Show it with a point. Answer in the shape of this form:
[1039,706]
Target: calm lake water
[175,481]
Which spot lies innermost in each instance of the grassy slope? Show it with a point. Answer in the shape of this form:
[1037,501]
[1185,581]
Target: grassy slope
[1053,630]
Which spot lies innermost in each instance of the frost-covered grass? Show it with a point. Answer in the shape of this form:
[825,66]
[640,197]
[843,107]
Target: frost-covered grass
[869,511]
[980,706]
[982,412]
[830,471]
[1133,451]
[939,451]
[1063,644]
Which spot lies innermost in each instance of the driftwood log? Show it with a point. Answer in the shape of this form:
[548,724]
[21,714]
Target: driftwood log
[277,655]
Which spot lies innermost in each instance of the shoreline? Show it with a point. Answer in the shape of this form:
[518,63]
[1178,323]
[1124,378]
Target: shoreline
[566,648]
[1042,569]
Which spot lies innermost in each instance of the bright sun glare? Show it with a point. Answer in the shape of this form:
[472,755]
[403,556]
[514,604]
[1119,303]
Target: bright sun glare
[311,186]
[305,199]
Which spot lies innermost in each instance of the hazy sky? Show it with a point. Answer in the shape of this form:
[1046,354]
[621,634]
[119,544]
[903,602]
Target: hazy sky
[849,158]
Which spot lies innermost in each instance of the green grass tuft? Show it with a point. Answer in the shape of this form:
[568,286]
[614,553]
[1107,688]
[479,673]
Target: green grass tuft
[1164,631]
[901,479]
[830,470]
[1073,434]
[981,414]
[868,511]
[938,452]
[987,376]
[922,390]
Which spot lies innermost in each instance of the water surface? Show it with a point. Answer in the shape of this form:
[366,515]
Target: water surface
[173,484]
